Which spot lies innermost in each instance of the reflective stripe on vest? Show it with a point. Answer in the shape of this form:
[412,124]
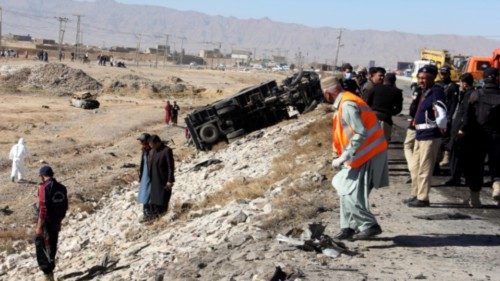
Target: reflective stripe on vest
[342,133]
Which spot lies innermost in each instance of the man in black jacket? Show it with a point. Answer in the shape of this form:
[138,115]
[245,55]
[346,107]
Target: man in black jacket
[161,170]
[386,100]
[458,142]
[451,95]
[482,124]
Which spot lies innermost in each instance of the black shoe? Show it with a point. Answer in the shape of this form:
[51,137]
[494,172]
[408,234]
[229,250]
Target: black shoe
[418,203]
[453,182]
[368,233]
[345,233]
[408,200]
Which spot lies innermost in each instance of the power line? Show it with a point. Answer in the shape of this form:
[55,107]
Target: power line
[339,38]
[62,29]
[78,36]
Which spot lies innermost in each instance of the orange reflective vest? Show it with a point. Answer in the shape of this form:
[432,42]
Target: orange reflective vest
[342,133]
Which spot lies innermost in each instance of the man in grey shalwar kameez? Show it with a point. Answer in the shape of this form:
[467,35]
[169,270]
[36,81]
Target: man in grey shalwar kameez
[353,185]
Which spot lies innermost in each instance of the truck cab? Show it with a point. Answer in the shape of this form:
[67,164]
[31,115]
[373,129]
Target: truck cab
[253,108]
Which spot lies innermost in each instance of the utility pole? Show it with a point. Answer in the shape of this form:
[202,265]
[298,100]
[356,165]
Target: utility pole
[165,50]
[78,35]
[139,38]
[182,48]
[1,12]
[62,29]
[339,38]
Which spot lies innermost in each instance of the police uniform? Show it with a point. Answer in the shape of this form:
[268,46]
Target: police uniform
[428,125]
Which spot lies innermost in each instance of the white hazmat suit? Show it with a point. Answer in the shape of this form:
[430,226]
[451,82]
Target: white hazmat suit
[17,154]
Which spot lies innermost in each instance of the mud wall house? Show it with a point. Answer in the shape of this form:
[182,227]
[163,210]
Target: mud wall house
[241,56]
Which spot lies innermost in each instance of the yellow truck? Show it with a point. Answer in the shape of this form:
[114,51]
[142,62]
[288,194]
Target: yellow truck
[443,57]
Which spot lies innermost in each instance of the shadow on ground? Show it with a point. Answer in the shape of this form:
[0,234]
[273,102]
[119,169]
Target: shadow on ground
[439,240]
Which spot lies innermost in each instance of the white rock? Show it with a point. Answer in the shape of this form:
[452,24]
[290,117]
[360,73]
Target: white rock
[11,261]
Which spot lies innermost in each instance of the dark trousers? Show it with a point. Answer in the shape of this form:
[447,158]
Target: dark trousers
[157,210]
[174,119]
[46,249]
[457,158]
[487,144]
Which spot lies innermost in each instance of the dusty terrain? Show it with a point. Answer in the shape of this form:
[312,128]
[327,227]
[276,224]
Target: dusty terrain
[225,218]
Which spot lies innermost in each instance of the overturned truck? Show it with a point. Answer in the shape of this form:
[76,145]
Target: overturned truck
[254,108]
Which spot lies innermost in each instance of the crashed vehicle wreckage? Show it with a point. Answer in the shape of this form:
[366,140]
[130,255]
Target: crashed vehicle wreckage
[254,108]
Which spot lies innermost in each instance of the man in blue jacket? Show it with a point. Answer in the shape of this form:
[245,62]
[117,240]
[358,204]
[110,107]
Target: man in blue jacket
[430,123]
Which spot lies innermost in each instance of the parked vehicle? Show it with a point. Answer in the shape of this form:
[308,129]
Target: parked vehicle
[477,64]
[254,108]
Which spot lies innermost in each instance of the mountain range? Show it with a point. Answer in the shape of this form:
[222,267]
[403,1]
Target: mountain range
[110,23]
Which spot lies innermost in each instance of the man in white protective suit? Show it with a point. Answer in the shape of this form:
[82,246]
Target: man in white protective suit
[17,154]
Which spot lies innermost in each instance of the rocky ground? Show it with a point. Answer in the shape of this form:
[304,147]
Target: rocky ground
[226,218]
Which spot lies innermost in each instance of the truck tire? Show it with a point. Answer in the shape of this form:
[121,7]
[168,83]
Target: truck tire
[209,133]
[226,109]
[235,134]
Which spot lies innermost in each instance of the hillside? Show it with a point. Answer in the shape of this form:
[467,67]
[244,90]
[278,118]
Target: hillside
[108,23]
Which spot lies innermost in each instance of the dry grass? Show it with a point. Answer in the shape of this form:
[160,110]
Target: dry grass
[8,237]
[296,160]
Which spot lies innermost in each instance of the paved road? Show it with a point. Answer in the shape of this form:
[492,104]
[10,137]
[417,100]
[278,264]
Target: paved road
[455,194]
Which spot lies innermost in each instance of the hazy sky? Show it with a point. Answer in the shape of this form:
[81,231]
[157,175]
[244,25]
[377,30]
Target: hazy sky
[462,17]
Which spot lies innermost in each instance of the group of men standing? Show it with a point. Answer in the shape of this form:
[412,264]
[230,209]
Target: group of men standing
[156,176]
[362,128]
[459,120]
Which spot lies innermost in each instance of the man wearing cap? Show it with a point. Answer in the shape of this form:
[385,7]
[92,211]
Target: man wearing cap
[144,179]
[451,92]
[482,123]
[161,170]
[361,147]
[52,207]
[430,125]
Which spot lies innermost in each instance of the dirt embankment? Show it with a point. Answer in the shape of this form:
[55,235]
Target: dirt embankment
[54,77]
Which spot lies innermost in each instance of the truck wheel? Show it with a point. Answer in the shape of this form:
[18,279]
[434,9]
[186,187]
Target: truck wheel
[235,134]
[209,133]
[226,110]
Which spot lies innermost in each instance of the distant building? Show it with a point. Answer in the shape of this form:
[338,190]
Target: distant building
[279,59]
[241,55]
[122,49]
[41,41]
[25,38]
[404,65]
[160,50]
[210,54]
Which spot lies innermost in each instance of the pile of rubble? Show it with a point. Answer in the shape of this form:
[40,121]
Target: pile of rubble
[56,77]
[136,84]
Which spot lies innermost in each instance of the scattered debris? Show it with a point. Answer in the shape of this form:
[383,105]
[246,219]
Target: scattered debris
[129,165]
[106,266]
[6,211]
[207,163]
[313,239]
